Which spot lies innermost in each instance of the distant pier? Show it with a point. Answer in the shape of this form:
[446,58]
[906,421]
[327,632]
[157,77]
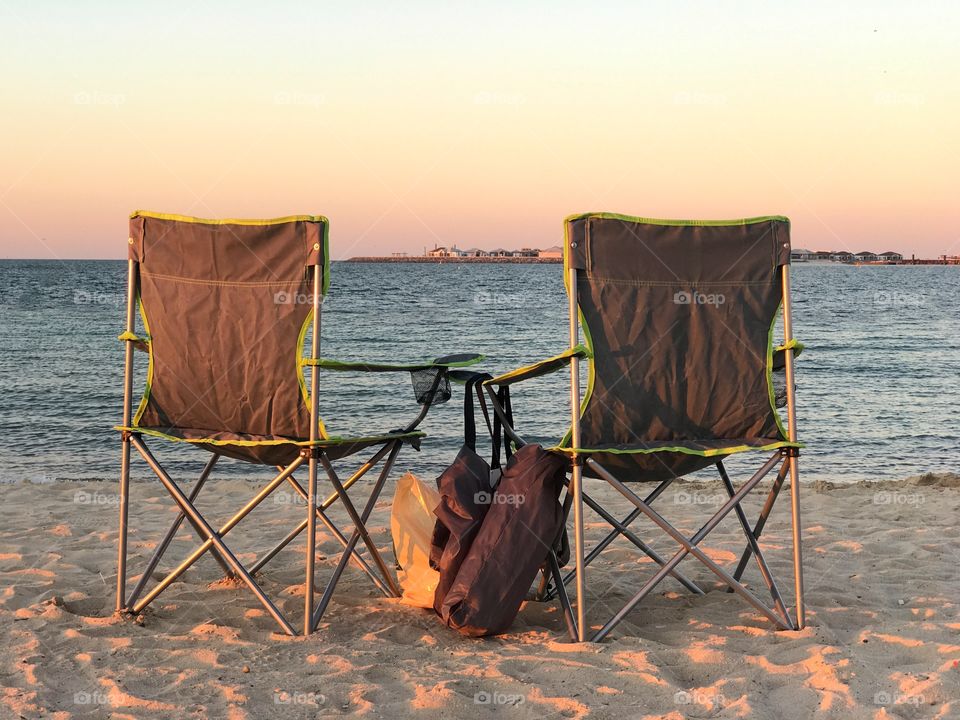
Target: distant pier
[458,260]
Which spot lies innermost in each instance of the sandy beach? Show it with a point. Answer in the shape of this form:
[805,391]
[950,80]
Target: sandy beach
[883,635]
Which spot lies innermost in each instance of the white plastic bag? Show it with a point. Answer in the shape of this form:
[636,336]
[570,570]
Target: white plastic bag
[411,524]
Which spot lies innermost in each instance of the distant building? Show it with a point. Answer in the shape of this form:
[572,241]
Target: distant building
[552,252]
[841,256]
[800,254]
[447,252]
[500,252]
[526,252]
[891,256]
[821,255]
[866,256]
[476,252]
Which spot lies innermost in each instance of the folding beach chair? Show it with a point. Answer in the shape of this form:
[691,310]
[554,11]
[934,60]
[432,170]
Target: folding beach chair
[226,307]
[678,320]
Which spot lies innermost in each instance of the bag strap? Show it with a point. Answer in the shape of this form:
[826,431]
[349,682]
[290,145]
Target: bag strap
[503,397]
[482,398]
[473,384]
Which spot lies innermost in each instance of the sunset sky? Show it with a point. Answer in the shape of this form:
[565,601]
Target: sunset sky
[479,124]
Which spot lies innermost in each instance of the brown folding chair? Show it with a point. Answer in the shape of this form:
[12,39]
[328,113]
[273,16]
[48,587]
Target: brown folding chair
[226,307]
[678,320]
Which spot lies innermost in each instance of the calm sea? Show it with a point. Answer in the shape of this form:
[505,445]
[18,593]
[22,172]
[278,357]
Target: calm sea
[878,387]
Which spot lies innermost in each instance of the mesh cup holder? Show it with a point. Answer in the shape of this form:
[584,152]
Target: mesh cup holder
[423,386]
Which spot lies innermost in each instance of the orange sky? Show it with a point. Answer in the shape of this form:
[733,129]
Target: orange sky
[450,124]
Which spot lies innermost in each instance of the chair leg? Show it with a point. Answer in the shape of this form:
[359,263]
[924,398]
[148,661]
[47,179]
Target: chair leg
[332,498]
[355,536]
[121,603]
[761,521]
[620,528]
[165,542]
[548,591]
[562,596]
[360,524]
[576,482]
[311,541]
[765,573]
[797,549]
[688,546]
[342,539]
[214,538]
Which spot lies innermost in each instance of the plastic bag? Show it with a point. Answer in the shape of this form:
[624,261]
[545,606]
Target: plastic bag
[411,524]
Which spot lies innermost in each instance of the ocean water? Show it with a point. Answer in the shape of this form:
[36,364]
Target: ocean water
[878,387]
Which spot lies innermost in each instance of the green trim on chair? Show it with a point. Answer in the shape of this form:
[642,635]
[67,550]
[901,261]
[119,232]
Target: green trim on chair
[148,385]
[541,368]
[326,442]
[348,365]
[679,449]
[680,223]
[229,221]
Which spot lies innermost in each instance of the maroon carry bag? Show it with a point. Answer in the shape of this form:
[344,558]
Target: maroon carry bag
[518,531]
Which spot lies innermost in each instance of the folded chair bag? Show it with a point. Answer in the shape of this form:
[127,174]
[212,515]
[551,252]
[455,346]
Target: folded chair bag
[518,531]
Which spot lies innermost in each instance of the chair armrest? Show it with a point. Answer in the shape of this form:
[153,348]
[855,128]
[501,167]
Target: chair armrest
[445,361]
[139,343]
[780,353]
[544,367]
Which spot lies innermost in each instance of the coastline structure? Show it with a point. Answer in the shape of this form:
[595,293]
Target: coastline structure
[473,255]
[554,255]
[456,260]
[866,257]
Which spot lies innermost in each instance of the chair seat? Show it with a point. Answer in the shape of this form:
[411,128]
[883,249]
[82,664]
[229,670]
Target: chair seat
[706,448]
[655,461]
[269,449]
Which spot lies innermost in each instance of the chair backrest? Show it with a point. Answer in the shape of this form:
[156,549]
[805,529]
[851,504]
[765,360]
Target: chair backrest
[226,304]
[680,316]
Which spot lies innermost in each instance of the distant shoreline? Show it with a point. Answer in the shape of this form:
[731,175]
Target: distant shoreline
[556,261]
[457,260]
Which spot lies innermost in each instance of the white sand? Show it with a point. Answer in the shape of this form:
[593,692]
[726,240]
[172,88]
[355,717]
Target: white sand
[883,635]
